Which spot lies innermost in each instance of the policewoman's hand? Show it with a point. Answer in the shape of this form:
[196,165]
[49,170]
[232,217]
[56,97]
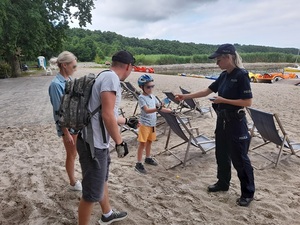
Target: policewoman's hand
[218,100]
[179,97]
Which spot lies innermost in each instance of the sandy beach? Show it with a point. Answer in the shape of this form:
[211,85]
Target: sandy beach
[34,184]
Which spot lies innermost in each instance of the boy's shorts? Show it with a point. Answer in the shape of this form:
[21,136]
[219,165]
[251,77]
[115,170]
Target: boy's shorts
[146,133]
[94,174]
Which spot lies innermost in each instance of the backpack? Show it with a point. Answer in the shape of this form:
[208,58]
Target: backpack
[74,112]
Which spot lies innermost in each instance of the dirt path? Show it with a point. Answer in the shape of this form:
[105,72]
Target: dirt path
[25,100]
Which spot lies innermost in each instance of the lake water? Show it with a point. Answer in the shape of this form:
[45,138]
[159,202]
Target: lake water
[214,71]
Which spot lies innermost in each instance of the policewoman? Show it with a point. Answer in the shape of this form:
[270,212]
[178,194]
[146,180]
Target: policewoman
[232,136]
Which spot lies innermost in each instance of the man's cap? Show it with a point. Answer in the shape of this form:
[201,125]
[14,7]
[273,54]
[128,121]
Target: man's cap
[123,57]
[223,49]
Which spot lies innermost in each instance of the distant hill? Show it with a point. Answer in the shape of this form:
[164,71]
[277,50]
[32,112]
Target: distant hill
[88,45]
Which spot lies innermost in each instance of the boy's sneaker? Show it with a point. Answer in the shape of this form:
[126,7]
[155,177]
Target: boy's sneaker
[140,168]
[77,186]
[114,217]
[151,161]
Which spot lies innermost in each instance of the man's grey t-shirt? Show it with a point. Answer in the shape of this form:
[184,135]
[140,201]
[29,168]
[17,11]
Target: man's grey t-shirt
[107,81]
[148,119]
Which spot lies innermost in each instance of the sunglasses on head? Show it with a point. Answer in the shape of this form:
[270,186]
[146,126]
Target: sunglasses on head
[150,86]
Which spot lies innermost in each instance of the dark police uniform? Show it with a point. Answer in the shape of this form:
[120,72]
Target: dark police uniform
[232,136]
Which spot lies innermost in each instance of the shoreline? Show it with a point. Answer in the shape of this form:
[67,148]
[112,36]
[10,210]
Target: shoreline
[200,68]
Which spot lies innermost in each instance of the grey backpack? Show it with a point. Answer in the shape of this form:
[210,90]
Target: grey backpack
[74,112]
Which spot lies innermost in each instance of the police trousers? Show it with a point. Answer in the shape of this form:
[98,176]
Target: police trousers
[232,144]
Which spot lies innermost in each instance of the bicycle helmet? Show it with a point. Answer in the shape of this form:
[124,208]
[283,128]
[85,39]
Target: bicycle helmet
[144,79]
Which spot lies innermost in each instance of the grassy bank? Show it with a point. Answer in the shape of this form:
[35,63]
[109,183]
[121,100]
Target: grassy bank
[203,58]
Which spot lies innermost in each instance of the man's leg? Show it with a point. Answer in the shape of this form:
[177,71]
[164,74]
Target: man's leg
[109,215]
[104,203]
[84,212]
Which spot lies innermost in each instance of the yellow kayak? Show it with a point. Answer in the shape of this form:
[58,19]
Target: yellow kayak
[295,69]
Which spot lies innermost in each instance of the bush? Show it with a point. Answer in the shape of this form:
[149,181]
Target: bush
[269,57]
[200,59]
[98,60]
[5,70]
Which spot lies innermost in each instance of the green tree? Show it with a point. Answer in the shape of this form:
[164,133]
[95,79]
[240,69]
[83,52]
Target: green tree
[37,27]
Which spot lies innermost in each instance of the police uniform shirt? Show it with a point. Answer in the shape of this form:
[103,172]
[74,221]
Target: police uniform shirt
[234,85]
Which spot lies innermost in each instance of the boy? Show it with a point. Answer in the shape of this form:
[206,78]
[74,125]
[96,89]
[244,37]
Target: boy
[149,106]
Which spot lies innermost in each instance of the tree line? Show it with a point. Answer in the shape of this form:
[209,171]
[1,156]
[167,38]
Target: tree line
[41,27]
[90,45]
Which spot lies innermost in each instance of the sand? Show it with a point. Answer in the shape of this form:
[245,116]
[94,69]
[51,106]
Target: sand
[34,184]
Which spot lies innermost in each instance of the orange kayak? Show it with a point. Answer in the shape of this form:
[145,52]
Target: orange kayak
[273,77]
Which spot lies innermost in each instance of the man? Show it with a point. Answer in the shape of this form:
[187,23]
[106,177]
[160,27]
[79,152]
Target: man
[107,93]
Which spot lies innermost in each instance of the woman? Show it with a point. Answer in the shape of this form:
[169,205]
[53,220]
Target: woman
[67,64]
[232,136]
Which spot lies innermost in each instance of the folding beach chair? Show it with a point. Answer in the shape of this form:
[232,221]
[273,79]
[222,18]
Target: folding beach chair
[133,92]
[125,90]
[265,125]
[195,105]
[132,88]
[177,125]
[124,128]
[180,104]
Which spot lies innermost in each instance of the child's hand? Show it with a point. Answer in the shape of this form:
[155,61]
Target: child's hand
[170,111]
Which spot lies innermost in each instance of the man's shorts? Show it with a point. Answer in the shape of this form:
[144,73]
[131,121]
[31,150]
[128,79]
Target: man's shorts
[146,133]
[94,174]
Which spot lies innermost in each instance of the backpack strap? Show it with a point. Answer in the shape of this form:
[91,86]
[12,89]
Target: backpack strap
[98,109]
[88,132]
[88,135]
[89,138]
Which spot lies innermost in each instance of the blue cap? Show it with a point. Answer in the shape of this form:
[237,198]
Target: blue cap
[223,49]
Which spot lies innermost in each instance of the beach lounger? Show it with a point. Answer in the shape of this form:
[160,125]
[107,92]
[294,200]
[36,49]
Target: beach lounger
[195,105]
[132,92]
[132,88]
[180,128]
[180,104]
[124,128]
[125,90]
[271,130]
